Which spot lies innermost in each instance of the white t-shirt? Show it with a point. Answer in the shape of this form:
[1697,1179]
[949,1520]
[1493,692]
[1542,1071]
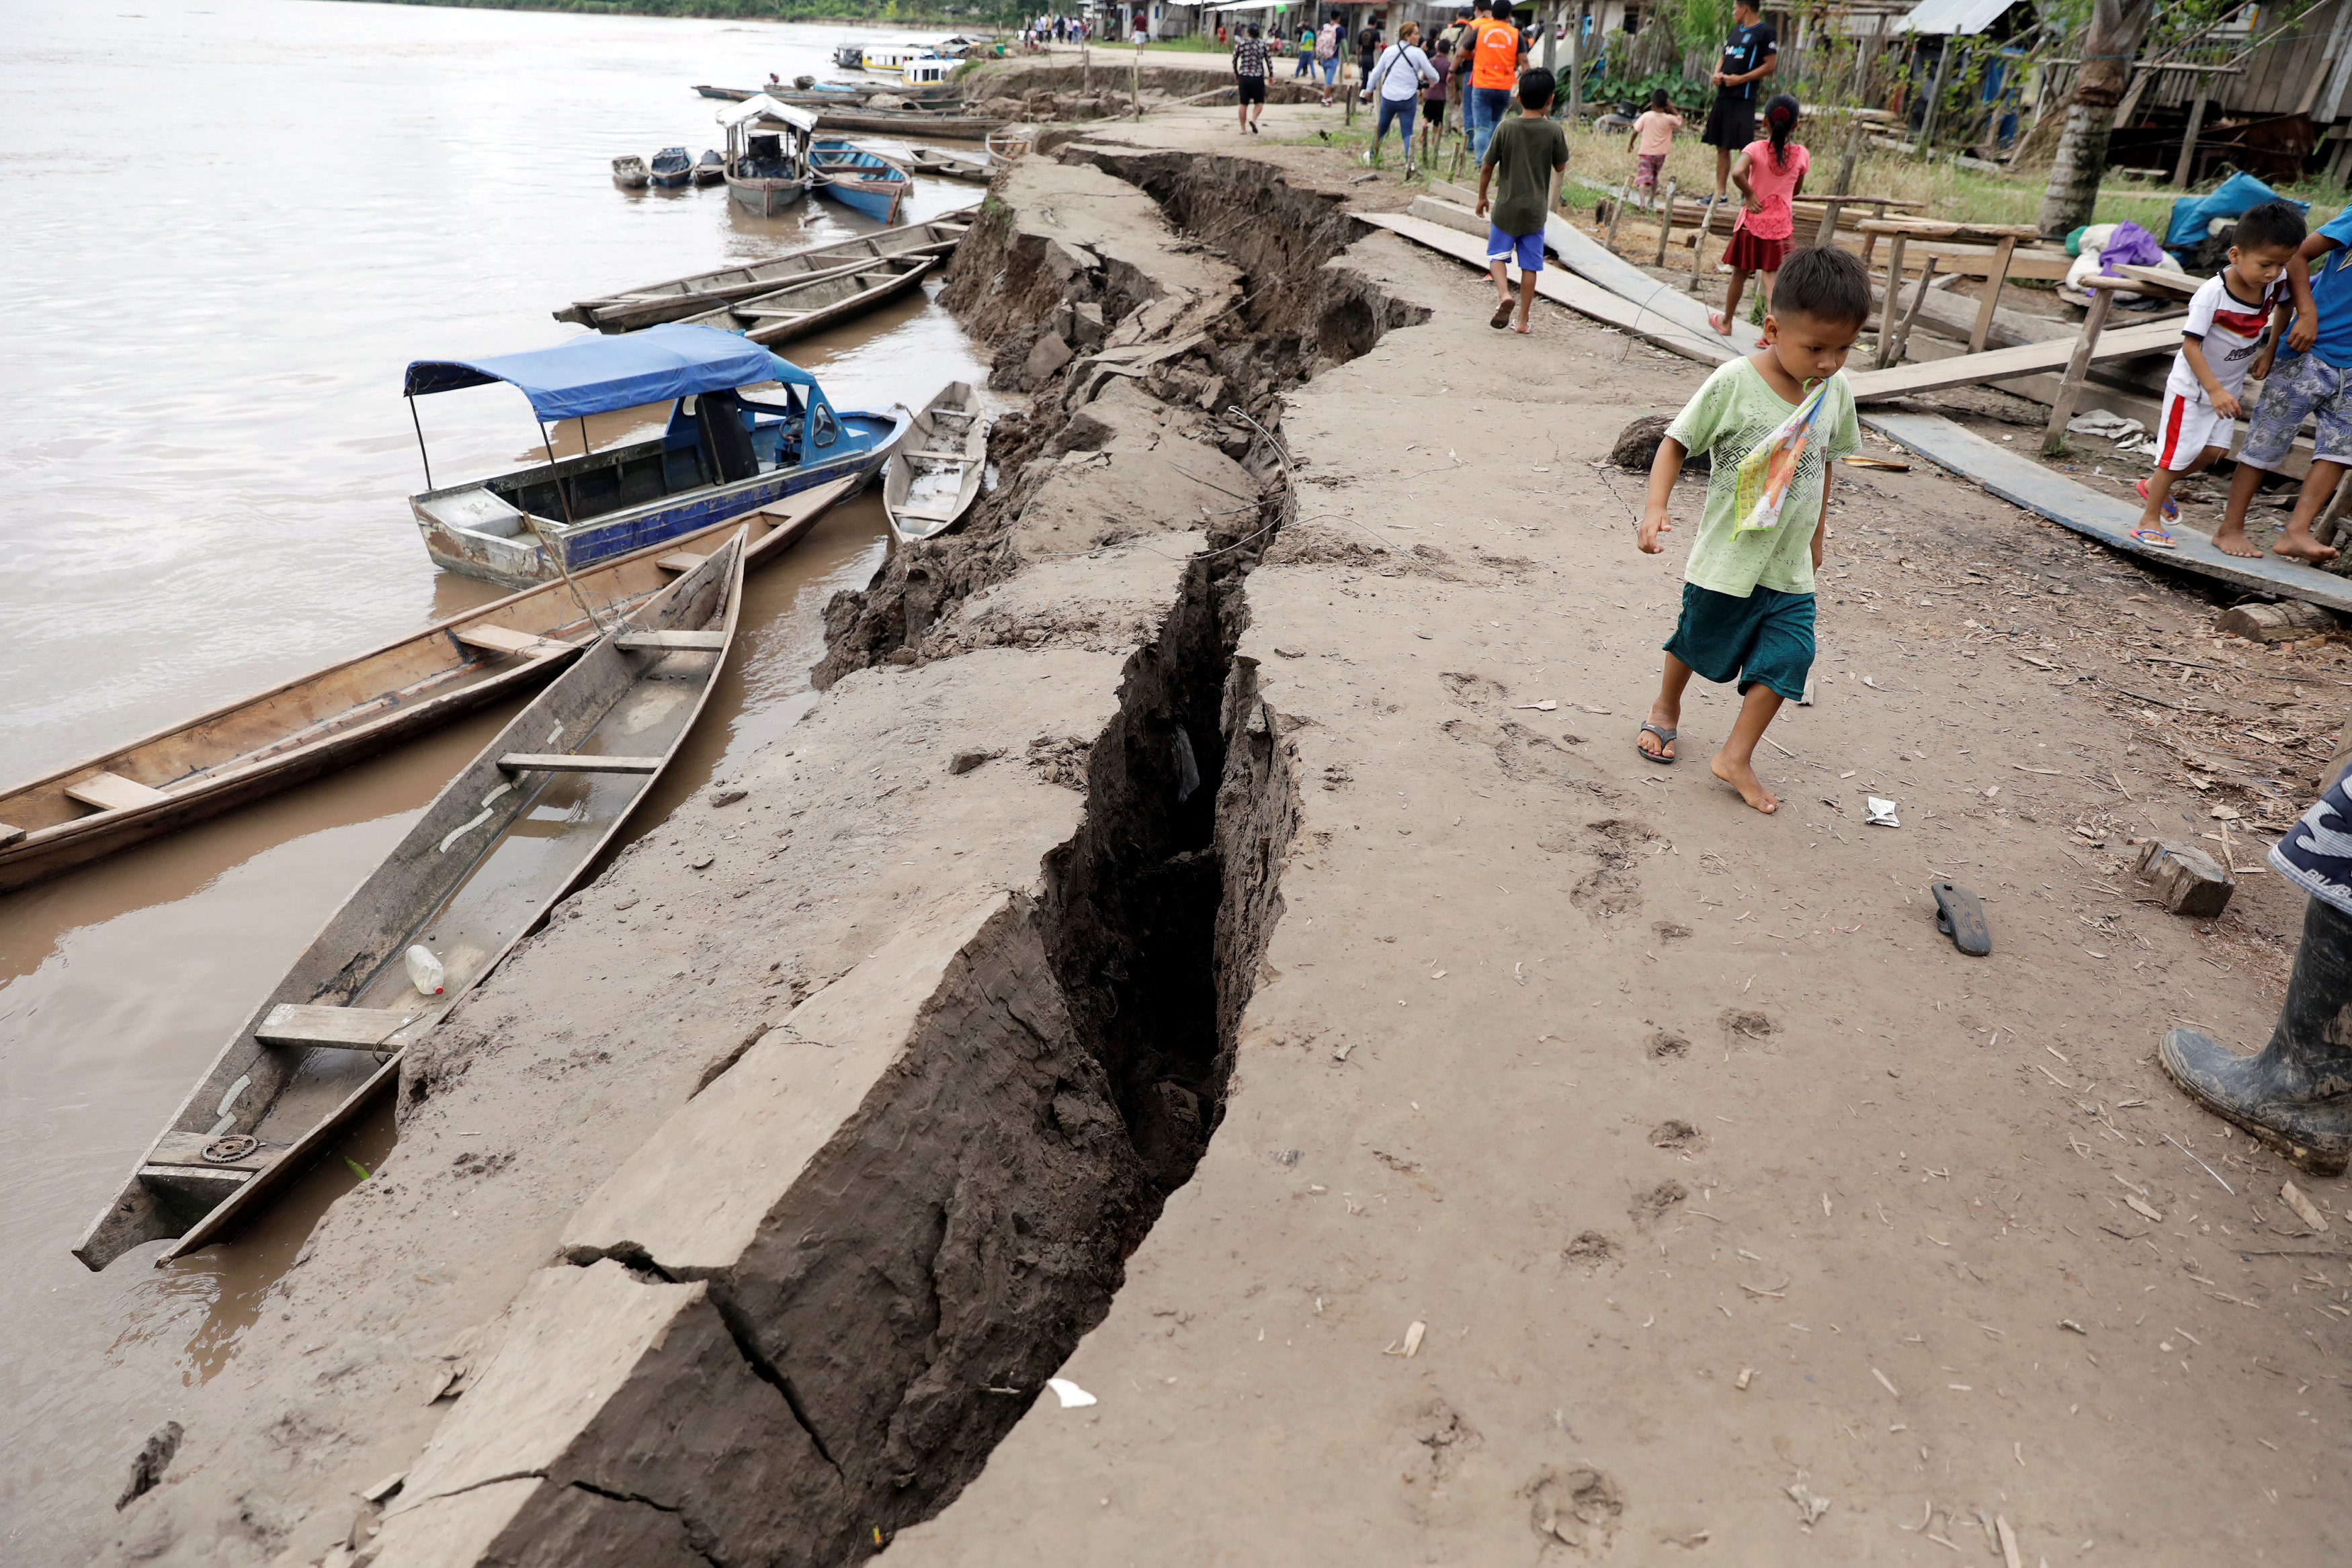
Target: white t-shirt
[2232,331]
[1402,78]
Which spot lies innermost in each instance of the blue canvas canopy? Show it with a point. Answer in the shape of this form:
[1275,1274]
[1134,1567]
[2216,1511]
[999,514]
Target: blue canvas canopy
[594,373]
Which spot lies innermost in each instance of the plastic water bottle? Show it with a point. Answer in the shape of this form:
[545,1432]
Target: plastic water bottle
[425,971]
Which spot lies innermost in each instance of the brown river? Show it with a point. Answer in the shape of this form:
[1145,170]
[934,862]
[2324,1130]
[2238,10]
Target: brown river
[229,225]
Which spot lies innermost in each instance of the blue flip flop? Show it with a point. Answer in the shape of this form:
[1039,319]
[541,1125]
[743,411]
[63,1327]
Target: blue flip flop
[1666,737]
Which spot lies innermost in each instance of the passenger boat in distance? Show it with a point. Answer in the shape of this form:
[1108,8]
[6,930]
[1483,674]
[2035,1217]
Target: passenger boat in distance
[673,168]
[934,477]
[951,165]
[822,299]
[629,172]
[476,872]
[861,180]
[300,729]
[678,296]
[710,168]
[721,454]
[849,56]
[767,170]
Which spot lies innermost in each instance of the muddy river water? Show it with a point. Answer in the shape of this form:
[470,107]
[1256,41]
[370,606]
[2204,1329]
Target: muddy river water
[230,223]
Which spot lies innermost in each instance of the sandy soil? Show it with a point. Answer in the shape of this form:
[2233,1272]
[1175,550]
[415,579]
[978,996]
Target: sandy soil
[1604,1168]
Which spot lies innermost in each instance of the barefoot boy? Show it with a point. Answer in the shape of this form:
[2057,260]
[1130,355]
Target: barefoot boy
[1521,158]
[2229,335]
[2313,377]
[1747,590]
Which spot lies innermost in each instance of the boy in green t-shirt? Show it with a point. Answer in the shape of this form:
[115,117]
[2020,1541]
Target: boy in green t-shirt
[1748,588]
[1525,151]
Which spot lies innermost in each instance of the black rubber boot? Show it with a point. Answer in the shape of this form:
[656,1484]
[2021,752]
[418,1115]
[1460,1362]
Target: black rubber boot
[2296,1095]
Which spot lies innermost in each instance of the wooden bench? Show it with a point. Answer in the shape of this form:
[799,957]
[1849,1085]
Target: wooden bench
[571,762]
[346,1029]
[500,640]
[112,792]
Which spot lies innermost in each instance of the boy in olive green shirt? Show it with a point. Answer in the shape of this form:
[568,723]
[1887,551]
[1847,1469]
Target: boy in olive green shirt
[1525,152]
[1748,593]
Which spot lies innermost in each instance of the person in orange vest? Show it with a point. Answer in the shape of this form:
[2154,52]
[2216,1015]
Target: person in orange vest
[1494,67]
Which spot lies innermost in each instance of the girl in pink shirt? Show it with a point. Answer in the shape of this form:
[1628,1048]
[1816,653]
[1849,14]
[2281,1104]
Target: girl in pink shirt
[1768,175]
[1653,138]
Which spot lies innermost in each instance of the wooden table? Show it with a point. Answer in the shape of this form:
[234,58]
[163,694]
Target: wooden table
[2004,237]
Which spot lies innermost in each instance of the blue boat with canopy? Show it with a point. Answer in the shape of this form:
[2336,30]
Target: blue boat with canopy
[724,453]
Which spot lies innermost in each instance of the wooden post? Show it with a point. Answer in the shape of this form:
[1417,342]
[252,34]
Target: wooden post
[1826,232]
[2188,142]
[1616,214]
[1865,60]
[1918,297]
[2070,387]
[1936,93]
[1999,276]
[1575,63]
[1666,221]
[1135,86]
[1086,67]
[1887,312]
[1698,240]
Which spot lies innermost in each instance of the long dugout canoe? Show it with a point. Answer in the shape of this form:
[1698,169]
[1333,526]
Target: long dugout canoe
[314,724]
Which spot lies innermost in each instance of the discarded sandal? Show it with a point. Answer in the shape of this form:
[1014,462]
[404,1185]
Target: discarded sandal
[1665,738]
[1961,917]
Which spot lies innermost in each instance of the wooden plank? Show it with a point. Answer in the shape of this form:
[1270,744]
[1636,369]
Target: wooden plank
[1964,369]
[9,835]
[500,640]
[675,642]
[683,560]
[1934,228]
[1982,328]
[571,762]
[227,1178]
[113,792]
[2021,481]
[2078,367]
[2178,285]
[348,1029]
[188,1149]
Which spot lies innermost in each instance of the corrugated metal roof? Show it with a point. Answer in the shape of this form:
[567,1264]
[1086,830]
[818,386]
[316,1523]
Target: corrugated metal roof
[1966,17]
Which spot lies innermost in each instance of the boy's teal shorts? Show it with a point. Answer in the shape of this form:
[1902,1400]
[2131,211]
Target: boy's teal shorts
[1766,637]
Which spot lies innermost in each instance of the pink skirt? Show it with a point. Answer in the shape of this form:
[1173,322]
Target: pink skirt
[1747,253]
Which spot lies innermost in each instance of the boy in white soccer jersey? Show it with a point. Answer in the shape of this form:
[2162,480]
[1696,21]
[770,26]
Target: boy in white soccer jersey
[2228,336]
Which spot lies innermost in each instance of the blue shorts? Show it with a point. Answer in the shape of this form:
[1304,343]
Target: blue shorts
[1528,249]
[2302,385]
[1766,637]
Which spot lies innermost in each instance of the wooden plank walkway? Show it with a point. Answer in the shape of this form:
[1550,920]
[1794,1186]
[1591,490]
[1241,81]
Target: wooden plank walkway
[2021,481]
[2000,364]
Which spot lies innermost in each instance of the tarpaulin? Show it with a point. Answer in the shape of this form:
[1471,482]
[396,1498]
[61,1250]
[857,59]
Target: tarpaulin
[596,374]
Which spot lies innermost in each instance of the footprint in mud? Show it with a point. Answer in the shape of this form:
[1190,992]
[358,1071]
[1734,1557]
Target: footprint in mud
[1667,1046]
[1653,1205]
[1670,930]
[1592,1250]
[1680,1136]
[1753,1025]
[1614,885]
[1472,691]
[1578,1506]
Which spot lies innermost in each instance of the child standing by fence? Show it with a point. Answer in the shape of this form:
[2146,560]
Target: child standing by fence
[1653,138]
[1769,173]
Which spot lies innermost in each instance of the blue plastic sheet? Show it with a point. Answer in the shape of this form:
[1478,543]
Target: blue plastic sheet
[2192,214]
[594,373]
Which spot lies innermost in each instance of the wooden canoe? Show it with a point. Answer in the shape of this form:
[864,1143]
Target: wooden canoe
[490,856]
[315,724]
[630,173]
[950,165]
[933,477]
[812,304]
[914,122]
[679,297]
[858,178]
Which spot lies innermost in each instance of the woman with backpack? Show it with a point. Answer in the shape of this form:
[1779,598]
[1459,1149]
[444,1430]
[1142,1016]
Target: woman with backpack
[1396,82]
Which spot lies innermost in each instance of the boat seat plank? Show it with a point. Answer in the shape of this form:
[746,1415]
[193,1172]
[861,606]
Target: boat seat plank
[500,640]
[568,762]
[351,1028]
[682,561]
[188,1149]
[943,456]
[675,642]
[112,792]
[9,835]
[228,1177]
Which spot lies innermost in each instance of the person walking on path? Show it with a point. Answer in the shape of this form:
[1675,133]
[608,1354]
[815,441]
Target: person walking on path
[1521,158]
[1327,55]
[1773,424]
[1749,55]
[1494,65]
[1651,140]
[1143,33]
[1770,174]
[1251,66]
[1397,82]
[1306,52]
[1433,102]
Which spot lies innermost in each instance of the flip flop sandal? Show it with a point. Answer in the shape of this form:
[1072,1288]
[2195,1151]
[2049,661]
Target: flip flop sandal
[1502,316]
[2155,538]
[2171,506]
[1961,917]
[1666,737]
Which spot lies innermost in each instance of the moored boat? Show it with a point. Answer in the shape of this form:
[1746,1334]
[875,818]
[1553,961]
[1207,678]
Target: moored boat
[861,180]
[674,297]
[476,872]
[933,479]
[767,171]
[629,172]
[951,165]
[710,168]
[820,301]
[849,56]
[721,454]
[928,70]
[672,167]
[300,729]
[917,121]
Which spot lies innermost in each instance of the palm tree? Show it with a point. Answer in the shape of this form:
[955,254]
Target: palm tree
[2117,27]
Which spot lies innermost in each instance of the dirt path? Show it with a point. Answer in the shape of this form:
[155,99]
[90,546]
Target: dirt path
[1597,1166]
